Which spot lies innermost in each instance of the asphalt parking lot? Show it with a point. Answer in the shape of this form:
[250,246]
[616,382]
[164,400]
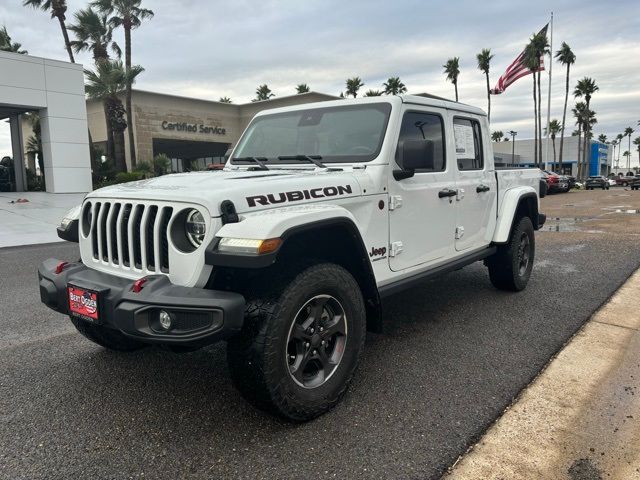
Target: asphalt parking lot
[455,355]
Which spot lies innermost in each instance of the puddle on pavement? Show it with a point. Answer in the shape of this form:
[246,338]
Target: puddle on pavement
[629,212]
[558,224]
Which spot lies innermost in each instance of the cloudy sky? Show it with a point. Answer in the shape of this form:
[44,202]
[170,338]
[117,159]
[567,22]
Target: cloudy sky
[211,48]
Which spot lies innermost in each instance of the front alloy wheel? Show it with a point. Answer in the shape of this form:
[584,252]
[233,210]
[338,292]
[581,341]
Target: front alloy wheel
[316,341]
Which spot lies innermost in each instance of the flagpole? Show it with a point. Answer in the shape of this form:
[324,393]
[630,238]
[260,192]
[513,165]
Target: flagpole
[546,154]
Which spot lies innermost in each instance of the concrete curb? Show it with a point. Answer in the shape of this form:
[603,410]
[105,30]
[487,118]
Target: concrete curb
[580,418]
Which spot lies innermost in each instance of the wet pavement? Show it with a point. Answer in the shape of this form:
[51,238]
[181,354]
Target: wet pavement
[455,354]
[580,419]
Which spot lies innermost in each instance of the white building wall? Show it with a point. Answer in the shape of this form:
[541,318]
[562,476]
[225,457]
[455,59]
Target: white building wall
[56,90]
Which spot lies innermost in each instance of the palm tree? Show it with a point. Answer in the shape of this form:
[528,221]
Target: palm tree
[627,132]
[602,138]
[636,142]
[532,61]
[129,15]
[619,137]
[586,87]
[566,57]
[263,92]
[578,113]
[93,34]
[6,45]
[497,136]
[58,10]
[302,88]
[554,128]
[484,62]
[107,83]
[393,86]
[452,71]
[534,53]
[353,85]
[225,100]
[373,93]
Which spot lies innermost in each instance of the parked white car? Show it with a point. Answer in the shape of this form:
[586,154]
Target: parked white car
[322,211]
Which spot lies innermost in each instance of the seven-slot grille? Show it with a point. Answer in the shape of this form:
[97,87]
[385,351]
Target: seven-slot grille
[131,235]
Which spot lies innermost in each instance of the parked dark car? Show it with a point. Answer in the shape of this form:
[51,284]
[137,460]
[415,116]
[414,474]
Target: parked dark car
[572,181]
[635,183]
[597,182]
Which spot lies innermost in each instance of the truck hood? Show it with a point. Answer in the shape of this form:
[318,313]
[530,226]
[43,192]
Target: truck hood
[248,190]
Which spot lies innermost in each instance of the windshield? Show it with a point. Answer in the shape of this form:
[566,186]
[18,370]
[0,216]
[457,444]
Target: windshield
[351,133]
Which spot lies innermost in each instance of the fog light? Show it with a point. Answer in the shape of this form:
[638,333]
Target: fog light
[165,319]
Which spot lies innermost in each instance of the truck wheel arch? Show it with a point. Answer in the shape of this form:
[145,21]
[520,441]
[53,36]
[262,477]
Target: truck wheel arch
[516,203]
[336,240]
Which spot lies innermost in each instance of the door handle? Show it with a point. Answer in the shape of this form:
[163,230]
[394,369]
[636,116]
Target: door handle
[482,188]
[447,192]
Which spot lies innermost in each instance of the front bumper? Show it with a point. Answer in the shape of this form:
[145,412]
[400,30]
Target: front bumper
[200,316]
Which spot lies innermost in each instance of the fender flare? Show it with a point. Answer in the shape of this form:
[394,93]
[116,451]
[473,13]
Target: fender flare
[511,201]
[280,223]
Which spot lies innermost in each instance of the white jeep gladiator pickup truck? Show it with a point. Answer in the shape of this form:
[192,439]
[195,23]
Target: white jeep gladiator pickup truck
[321,212]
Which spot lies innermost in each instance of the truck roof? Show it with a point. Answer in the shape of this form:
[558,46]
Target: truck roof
[418,99]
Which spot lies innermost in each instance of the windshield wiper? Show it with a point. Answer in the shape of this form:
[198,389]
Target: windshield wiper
[315,159]
[257,160]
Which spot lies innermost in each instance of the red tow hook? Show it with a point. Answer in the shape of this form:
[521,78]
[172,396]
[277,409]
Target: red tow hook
[139,284]
[60,267]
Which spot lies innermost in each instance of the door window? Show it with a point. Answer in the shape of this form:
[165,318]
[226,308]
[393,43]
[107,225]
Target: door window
[468,144]
[425,126]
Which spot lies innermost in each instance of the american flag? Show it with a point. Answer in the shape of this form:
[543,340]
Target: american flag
[516,70]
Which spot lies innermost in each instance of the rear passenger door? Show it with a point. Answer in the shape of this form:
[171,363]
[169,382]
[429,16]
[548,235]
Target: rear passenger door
[476,183]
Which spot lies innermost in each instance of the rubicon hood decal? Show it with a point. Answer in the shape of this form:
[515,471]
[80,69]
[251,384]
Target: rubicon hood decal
[296,195]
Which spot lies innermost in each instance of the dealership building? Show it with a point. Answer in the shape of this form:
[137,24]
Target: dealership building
[192,132]
[524,155]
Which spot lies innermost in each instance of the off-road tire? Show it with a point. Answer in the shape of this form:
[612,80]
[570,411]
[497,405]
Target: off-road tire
[505,265]
[257,357]
[106,337]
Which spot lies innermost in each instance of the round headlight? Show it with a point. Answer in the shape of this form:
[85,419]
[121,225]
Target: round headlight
[195,228]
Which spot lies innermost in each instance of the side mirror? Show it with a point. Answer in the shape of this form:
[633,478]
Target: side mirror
[414,155]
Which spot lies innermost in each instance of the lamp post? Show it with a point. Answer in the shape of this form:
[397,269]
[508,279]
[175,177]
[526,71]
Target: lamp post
[513,146]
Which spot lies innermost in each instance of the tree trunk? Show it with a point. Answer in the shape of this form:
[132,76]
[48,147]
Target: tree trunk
[579,147]
[539,122]
[118,148]
[564,113]
[553,142]
[535,122]
[65,34]
[109,153]
[488,99]
[456,87]
[127,47]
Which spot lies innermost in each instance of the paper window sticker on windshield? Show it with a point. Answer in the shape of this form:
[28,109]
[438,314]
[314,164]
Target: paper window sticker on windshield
[465,146]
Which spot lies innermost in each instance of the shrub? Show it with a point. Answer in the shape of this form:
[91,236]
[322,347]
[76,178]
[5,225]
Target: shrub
[124,177]
[161,164]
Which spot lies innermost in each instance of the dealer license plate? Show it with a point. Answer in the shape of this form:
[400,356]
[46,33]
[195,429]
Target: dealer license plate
[83,303]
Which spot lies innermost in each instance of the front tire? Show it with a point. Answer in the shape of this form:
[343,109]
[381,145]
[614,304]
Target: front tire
[106,337]
[510,267]
[301,342]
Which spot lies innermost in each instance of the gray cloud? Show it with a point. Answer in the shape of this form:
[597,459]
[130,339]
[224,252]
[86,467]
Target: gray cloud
[209,49]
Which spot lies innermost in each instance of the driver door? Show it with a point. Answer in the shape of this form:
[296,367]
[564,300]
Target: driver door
[422,229]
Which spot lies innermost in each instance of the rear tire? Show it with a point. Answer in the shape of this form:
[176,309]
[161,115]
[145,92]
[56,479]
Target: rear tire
[106,337]
[301,342]
[510,267]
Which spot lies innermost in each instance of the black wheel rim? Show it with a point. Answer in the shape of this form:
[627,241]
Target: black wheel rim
[524,254]
[316,341]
